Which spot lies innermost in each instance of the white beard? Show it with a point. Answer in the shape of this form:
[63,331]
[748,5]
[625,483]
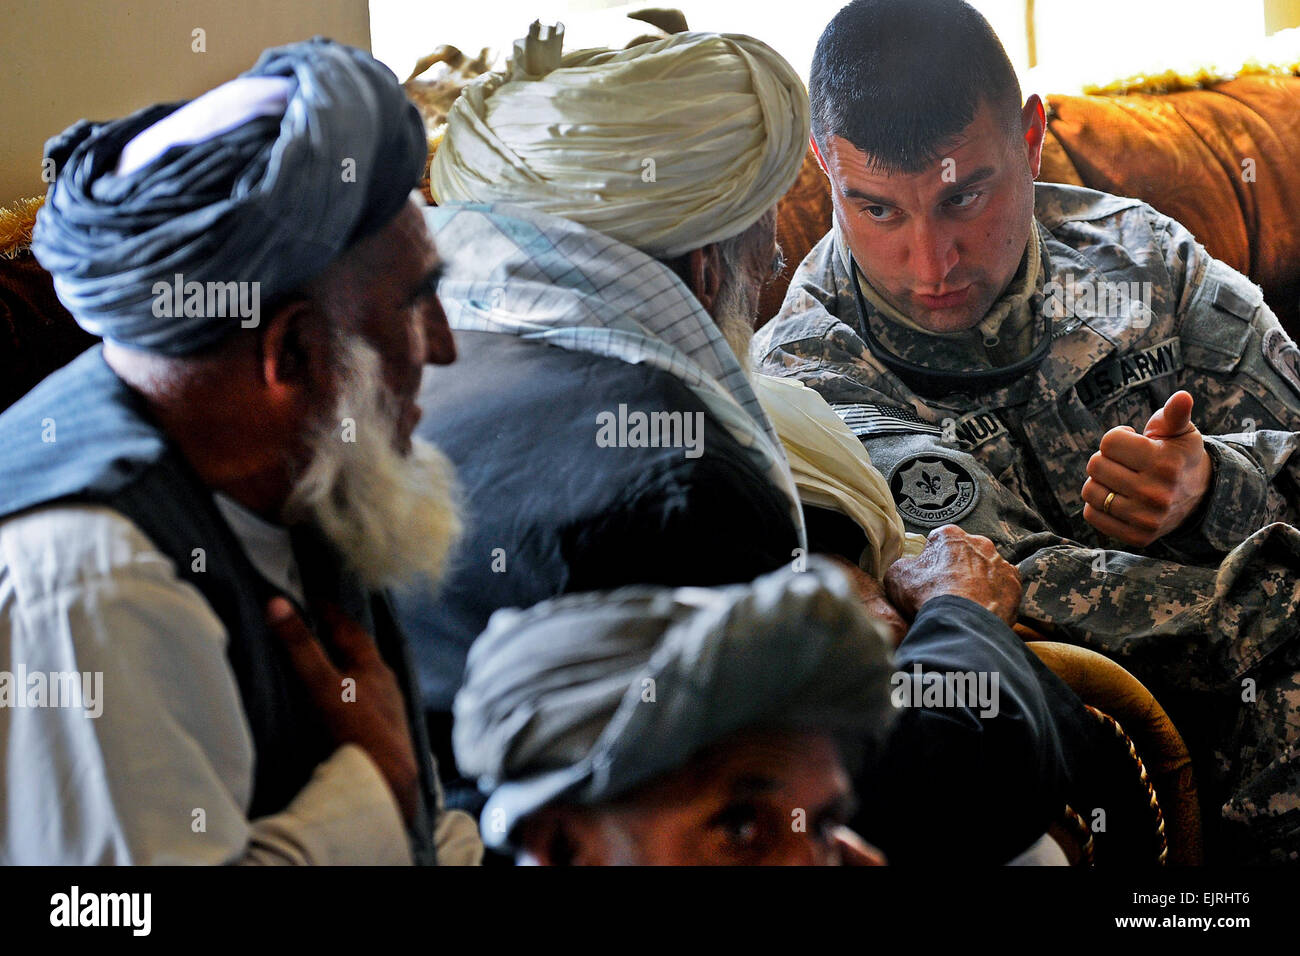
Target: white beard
[392,517]
[734,321]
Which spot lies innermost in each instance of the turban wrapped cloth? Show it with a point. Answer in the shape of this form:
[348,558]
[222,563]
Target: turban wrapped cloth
[667,146]
[832,470]
[558,701]
[265,179]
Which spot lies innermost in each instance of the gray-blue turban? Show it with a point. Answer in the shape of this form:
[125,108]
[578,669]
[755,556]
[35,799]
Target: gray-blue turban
[584,697]
[328,156]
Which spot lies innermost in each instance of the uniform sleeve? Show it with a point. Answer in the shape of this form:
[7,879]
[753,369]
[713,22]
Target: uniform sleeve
[155,766]
[982,779]
[1243,371]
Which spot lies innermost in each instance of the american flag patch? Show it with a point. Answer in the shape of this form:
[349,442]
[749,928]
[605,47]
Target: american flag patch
[868,420]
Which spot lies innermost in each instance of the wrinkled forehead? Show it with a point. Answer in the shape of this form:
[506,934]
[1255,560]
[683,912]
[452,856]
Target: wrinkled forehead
[386,269]
[753,763]
[980,150]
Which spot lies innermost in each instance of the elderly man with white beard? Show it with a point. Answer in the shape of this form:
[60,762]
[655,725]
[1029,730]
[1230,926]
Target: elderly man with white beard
[207,509]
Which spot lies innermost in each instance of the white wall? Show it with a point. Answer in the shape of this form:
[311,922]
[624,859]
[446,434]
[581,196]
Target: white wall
[64,60]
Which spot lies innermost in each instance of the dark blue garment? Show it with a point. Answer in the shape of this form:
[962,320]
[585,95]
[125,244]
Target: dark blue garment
[107,451]
[519,420]
[954,786]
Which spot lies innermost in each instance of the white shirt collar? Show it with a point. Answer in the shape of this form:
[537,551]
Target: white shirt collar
[268,546]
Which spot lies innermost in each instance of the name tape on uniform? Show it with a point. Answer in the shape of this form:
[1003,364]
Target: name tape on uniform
[867,421]
[977,428]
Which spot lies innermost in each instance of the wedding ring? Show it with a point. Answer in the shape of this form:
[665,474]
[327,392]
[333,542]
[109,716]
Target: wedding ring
[1106,505]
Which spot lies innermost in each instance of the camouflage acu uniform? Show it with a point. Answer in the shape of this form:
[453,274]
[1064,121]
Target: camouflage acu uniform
[1208,616]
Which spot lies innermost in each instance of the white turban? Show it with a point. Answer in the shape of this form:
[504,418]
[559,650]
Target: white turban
[832,470]
[666,146]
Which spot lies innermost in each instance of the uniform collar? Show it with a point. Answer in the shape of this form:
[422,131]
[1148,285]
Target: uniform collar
[1093,334]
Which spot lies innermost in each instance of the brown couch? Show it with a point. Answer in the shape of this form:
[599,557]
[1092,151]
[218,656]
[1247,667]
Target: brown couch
[1182,152]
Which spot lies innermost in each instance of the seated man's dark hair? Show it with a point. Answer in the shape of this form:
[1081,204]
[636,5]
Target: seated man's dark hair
[899,79]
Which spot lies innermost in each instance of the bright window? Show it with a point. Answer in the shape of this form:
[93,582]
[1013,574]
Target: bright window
[1075,41]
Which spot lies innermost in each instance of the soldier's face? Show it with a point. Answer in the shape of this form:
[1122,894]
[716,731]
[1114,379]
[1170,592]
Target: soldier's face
[943,244]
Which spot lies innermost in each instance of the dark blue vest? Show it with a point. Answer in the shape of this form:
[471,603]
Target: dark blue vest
[106,450]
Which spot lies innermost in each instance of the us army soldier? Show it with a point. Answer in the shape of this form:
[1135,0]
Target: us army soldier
[1067,372]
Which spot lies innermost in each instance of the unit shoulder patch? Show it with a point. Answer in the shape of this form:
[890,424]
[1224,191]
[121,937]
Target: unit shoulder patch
[1283,357]
[933,488]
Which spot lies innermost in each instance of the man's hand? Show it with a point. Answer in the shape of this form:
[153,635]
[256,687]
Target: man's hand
[372,715]
[1159,477]
[873,598]
[957,563]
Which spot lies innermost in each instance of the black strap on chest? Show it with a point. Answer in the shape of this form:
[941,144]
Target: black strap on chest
[935,383]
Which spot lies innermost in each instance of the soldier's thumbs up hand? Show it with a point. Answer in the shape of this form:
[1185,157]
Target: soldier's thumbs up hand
[1174,420]
[1141,487]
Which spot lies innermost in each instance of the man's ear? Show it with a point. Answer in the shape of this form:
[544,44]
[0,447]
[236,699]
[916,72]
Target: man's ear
[1033,122]
[812,143]
[291,347]
[705,269]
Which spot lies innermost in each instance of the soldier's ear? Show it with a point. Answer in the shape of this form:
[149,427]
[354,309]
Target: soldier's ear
[812,143]
[1033,124]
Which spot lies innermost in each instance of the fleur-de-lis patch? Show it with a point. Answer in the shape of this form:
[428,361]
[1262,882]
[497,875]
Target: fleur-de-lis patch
[929,485]
[932,490]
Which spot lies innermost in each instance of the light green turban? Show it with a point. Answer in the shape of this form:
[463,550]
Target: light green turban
[666,146]
[584,697]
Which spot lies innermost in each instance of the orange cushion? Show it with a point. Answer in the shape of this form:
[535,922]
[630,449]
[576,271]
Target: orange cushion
[802,218]
[1183,153]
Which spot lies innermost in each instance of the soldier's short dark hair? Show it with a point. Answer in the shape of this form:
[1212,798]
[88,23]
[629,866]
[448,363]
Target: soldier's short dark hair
[899,79]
